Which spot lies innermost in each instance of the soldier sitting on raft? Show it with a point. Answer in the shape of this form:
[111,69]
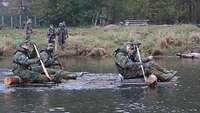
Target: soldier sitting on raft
[129,66]
[49,57]
[26,66]
[52,63]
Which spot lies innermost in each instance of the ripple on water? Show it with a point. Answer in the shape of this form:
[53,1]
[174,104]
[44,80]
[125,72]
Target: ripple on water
[58,110]
[2,87]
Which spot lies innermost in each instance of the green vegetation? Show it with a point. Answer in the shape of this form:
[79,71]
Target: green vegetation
[166,40]
[86,12]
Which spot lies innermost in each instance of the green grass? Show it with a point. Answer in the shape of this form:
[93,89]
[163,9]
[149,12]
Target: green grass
[168,39]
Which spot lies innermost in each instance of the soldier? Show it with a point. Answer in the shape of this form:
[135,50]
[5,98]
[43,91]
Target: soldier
[49,58]
[27,67]
[24,60]
[28,28]
[62,35]
[53,65]
[51,34]
[66,30]
[127,62]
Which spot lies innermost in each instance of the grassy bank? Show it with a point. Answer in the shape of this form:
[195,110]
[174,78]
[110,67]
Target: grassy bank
[164,40]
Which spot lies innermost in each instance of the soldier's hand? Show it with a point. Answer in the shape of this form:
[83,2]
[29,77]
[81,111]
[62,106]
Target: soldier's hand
[150,57]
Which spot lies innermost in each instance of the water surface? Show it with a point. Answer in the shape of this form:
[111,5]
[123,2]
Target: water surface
[184,98]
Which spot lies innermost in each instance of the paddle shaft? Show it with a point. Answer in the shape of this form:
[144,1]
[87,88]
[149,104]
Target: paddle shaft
[43,67]
[145,78]
[56,43]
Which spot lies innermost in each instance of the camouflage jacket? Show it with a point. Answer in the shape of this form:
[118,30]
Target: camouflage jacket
[128,65]
[23,59]
[62,32]
[28,28]
[51,34]
[50,60]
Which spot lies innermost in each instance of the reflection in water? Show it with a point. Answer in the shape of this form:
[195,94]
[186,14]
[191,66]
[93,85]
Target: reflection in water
[184,98]
[82,64]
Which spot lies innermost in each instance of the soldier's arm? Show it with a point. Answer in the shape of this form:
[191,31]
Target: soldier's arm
[124,62]
[23,60]
[57,31]
[144,60]
[67,33]
[49,34]
[44,57]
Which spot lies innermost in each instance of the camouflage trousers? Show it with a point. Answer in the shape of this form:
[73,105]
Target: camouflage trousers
[36,74]
[161,73]
[27,75]
[61,41]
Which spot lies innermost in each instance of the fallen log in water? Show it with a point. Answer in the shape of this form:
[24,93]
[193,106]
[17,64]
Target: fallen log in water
[12,80]
[93,81]
[189,55]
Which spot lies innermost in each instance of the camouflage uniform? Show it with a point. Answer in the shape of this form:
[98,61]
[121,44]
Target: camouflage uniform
[62,33]
[28,29]
[66,30]
[51,34]
[128,66]
[53,65]
[24,62]
[49,58]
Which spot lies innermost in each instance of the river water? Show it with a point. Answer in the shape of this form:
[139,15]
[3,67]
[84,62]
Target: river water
[183,98]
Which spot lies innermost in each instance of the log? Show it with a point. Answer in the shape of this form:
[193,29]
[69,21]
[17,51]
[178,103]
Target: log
[12,80]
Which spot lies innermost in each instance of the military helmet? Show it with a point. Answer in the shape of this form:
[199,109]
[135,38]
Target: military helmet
[51,25]
[135,43]
[60,24]
[26,45]
[131,45]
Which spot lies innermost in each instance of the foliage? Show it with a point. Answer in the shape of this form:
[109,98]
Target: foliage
[84,12]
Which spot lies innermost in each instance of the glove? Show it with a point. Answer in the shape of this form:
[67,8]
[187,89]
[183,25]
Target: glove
[150,57]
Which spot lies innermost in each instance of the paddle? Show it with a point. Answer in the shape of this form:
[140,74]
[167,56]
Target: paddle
[145,78]
[43,67]
[56,43]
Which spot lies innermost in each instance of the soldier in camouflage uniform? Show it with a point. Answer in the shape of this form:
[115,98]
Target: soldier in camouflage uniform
[49,58]
[62,35]
[51,34]
[28,28]
[66,29]
[27,66]
[127,62]
[53,65]
[24,61]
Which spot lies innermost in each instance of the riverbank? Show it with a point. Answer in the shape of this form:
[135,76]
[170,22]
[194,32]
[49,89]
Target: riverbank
[101,41]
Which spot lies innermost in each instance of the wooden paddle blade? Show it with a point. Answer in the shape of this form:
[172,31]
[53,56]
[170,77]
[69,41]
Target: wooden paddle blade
[43,66]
